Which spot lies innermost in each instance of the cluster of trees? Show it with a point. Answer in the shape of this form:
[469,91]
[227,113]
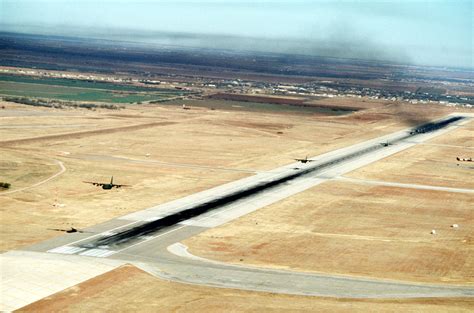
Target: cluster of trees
[58,104]
[5,185]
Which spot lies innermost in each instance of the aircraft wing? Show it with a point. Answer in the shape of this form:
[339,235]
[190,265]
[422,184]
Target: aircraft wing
[119,186]
[57,229]
[93,183]
[303,160]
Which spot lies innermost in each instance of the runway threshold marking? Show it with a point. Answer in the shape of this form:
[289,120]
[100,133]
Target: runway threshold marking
[99,253]
[66,250]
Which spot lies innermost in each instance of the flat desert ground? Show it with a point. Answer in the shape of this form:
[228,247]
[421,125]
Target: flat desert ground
[347,227]
[128,289]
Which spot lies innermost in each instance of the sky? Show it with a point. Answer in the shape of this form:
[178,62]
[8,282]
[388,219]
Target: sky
[421,32]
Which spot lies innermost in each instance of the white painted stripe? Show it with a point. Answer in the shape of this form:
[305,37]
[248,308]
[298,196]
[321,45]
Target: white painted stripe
[92,252]
[153,218]
[190,222]
[108,233]
[75,250]
[145,237]
[66,250]
[107,253]
[99,253]
[59,249]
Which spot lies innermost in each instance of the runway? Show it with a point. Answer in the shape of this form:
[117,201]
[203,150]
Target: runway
[148,238]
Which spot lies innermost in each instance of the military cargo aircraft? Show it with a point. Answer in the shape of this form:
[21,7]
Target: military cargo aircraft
[107,185]
[305,160]
[69,231]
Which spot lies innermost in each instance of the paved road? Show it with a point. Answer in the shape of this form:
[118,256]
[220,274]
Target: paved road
[139,238]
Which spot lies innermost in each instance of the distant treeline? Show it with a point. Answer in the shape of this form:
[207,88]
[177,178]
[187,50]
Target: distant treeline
[58,104]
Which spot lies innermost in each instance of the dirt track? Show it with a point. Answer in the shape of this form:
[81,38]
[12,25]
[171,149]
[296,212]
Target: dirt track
[76,135]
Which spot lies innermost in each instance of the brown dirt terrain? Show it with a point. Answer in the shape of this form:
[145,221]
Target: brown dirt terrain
[82,134]
[22,121]
[258,98]
[202,148]
[352,229]
[431,163]
[463,137]
[348,228]
[196,150]
[350,102]
[128,289]
[13,164]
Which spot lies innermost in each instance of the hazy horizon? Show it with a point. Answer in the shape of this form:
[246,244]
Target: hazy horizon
[433,33]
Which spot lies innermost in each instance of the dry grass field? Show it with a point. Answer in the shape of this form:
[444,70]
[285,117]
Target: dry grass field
[350,229]
[431,163]
[352,102]
[356,229]
[164,152]
[128,289]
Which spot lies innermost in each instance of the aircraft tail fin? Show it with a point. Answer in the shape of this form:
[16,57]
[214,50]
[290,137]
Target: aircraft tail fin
[112,180]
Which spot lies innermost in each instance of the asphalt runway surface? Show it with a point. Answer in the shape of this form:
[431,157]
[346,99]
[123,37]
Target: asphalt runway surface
[148,238]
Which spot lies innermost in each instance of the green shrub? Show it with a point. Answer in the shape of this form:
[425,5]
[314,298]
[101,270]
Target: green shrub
[5,185]
[58,104]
